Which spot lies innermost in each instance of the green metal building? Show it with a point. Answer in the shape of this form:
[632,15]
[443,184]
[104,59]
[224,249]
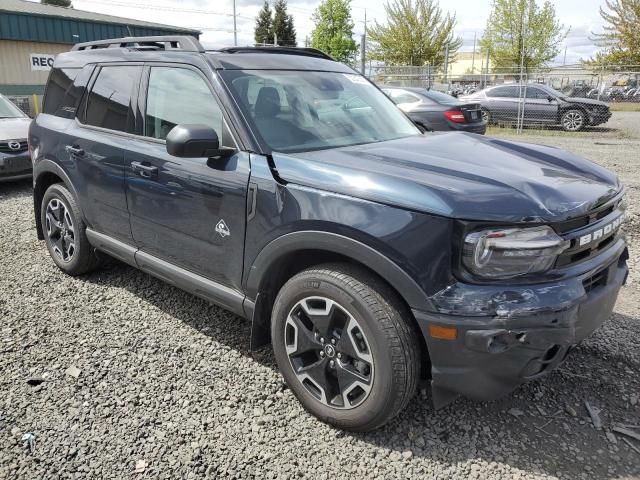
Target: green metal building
[31,34]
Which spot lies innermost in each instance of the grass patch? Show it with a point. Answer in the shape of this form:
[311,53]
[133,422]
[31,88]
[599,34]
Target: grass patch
[624,107]
[591,132]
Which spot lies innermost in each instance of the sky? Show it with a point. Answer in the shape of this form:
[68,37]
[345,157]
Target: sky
[215,18]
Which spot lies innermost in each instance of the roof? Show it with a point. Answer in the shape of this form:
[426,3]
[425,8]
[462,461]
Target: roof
[35,8]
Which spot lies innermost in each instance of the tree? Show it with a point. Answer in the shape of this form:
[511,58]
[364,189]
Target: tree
[263,33]
[621,36]
[57,3]
[416,33]
[519,31]
[283,24]
[333,32]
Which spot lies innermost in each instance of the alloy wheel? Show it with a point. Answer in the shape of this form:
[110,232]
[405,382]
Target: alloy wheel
[60,229]
[572,121]
[329,352]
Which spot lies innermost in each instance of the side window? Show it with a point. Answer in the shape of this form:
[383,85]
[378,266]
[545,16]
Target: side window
[533,92]
[109,102]
[194,104]
[504,92]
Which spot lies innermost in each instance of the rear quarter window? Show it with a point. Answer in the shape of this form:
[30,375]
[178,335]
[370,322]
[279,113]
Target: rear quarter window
[56,99]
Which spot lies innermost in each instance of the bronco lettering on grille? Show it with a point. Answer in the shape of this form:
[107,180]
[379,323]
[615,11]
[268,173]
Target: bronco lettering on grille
[601,232]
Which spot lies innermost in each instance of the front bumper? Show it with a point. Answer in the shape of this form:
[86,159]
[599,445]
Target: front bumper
[598,118]
[532,330]
[15,167]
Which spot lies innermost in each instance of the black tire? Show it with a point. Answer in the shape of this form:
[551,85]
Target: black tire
[82,257]
[573,120]
[486,115]
[384,333]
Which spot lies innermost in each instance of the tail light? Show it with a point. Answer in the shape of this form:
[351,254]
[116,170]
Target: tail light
[456,116]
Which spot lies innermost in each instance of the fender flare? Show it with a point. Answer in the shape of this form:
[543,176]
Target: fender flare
[400,280]
[49,166]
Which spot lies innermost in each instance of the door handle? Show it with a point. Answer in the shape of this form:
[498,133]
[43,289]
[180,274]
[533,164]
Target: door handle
[145,171]
[74,150]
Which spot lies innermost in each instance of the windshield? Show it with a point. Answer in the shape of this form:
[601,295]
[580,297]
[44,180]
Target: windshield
[295,111]
[9,110]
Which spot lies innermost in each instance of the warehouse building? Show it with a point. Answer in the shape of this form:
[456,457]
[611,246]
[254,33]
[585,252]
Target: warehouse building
[32,34]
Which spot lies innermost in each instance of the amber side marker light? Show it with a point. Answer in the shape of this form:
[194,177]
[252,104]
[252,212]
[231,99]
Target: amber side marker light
[443,333]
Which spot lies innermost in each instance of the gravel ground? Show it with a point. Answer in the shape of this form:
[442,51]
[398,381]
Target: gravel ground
[118,375]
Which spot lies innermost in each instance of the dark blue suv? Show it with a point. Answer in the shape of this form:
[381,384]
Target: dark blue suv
[285,187]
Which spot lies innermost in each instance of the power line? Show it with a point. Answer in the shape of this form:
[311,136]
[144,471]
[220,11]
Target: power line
[166,8]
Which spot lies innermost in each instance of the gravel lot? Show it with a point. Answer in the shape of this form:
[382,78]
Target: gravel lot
[163,385]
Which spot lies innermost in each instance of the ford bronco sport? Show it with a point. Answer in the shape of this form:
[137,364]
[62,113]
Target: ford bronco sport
[281,185]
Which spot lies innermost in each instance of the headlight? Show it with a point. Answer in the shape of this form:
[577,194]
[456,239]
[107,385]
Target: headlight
[511,252]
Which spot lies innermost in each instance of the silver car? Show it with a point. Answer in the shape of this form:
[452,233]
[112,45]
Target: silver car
[15,161]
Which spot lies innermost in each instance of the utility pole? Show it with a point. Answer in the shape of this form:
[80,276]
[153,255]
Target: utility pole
[473,57]
[235,30]
[275,39]
[363,45]
[565,56]
[446,63]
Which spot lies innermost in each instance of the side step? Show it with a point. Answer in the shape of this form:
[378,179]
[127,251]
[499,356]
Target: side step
[193,283]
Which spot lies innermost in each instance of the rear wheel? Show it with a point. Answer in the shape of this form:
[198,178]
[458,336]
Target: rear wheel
[344,345]
[573,120]
[64,232]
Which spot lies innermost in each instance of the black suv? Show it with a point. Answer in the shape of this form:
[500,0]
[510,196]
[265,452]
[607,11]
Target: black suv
[285,187]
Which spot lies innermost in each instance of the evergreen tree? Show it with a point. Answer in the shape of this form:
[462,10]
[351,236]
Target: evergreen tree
[263,32]
[283,25]
[334,30]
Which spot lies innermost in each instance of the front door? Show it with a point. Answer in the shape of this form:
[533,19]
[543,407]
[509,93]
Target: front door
[190,212]
[540,107]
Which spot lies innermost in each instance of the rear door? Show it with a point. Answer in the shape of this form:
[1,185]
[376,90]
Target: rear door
[503,103]
[95,143]
[190,212]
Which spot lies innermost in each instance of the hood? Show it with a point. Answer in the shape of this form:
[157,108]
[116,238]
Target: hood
[14,128]
[586,101]
[458,175]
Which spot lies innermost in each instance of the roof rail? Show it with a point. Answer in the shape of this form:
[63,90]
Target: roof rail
[305,51]
[184,43]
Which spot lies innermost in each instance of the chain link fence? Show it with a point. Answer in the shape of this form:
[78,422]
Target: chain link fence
[567,98]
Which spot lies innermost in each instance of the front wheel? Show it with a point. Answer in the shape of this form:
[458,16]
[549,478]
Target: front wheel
[345,345]
[573,120]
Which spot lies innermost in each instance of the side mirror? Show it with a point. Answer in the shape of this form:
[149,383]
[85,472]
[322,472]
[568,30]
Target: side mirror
[550,98]
[194,141]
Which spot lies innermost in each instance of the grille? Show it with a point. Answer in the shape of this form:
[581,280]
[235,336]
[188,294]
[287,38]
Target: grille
[4,146]
[600,234]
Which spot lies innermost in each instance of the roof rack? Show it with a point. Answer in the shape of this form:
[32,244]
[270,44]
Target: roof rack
[305,51]
[184,43]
